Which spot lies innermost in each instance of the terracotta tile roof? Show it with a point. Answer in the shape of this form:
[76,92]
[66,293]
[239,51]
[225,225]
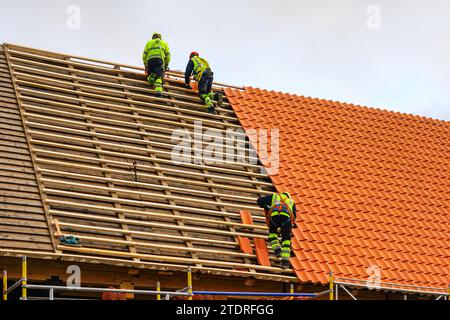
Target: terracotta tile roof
[372,186]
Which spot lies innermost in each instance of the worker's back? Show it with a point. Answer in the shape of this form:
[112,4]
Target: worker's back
[154,49]
[200,66]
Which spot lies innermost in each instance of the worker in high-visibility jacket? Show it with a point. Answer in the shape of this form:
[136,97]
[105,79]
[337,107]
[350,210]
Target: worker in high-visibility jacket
[204,77]
[281,210]
[156,58]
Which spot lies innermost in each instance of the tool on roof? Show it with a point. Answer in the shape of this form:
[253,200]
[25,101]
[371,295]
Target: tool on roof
[70,240]
[280,212]
[156,58]
[204,76]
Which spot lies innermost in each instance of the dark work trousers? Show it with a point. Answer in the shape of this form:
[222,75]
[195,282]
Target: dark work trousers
[283,222]
[205,83]
[156,66]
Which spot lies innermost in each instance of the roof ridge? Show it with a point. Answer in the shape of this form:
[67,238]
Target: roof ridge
[411,116]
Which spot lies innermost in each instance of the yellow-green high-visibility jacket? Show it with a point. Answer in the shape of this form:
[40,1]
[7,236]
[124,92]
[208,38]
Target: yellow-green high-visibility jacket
[200,65]
[156,48]
[278,207]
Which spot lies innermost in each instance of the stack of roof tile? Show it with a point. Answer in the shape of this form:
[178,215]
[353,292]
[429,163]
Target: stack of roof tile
[372,186]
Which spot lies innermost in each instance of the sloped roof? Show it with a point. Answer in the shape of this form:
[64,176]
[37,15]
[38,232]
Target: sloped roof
[102,146]
[22,220]
[372,186]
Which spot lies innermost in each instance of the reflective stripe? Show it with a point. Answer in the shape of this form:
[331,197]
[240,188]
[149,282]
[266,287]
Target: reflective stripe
[286,243]
[275,245]
[286,252]
[273,236]
[276,213]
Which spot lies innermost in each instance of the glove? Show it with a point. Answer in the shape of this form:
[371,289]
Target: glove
[187,86]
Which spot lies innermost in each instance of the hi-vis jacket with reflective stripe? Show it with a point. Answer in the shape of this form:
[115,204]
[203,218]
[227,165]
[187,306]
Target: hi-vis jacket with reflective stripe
[282,204]
[200,65]
[156,48]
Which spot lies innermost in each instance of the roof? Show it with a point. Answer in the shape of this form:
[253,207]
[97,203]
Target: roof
[101,145]
[372,186]
[21,208]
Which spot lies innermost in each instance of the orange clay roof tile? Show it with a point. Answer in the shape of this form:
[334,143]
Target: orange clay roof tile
[371,186]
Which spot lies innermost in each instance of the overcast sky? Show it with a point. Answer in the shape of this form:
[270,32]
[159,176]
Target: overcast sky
[391,54]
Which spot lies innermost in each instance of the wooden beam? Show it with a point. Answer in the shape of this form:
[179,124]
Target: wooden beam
[166,136]
[147,264]
[148,168]
[154,214]
[257,190]
[86,187]
[105,92]
[143,158]
[149,224]
[65,130]
[170,258]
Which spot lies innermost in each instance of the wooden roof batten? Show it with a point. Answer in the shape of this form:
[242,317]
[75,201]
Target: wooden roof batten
[100,142]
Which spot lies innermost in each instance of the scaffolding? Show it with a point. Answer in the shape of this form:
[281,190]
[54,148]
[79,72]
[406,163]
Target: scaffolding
[185,292]
[346,283]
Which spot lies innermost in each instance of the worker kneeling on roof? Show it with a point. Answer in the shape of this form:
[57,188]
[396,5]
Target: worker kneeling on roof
[156,58]
[204,76]
[281,210]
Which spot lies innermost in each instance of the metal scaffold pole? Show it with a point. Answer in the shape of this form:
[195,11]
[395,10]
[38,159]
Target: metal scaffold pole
[331,286]
[158,288]
[189,280]
[24,278]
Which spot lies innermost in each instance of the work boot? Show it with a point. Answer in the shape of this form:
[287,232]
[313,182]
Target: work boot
[158,87]
[285,264]
[278,252]
[209,104]
[218,98]
[212,110]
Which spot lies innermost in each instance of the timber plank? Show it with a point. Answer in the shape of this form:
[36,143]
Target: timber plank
[17,168]
[23,230]
[89,144]
[23,223]
[24,243]
[18,194]
[14,149]
[20,201]
[14,156]
[9,115]
[9,161]
[18,187]
[19,181]
[22,208]
[24,237]
[24,216]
